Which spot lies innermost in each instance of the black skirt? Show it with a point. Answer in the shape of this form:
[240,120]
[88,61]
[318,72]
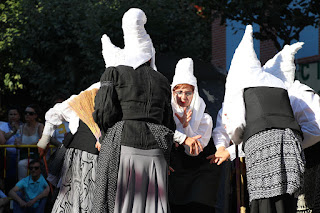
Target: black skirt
[194,180]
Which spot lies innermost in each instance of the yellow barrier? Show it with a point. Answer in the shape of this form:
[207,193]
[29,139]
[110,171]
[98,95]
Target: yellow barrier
[19,147]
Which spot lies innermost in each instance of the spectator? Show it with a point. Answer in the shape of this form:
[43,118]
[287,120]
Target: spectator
[2,138]
[10,133]
[4,201]
[30,132]
[35,190]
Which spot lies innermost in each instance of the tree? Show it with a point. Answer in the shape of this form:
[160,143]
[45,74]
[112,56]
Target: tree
[56,43]
[278,19]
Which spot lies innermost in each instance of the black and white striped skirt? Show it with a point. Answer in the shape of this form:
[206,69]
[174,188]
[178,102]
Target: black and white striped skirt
[274,163]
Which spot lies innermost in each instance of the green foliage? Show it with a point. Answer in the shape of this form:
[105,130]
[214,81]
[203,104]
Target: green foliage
[283,19]
[54,45]
[12,82]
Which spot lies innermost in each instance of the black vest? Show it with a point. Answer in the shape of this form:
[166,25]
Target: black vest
[84,139]
[267,108]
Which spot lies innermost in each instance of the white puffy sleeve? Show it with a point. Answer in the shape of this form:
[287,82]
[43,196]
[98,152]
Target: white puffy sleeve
[233,116]
[221,138]
[219,134]
[232,151]
[179,137]
[59,113]
[306,108]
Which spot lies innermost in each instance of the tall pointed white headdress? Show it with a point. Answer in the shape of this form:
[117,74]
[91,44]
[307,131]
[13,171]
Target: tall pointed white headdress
[184,75]
[138,47]
[282,64]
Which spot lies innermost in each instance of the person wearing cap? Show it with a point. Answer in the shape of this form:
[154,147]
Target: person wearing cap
[257,112]
[191,184]
[133,111]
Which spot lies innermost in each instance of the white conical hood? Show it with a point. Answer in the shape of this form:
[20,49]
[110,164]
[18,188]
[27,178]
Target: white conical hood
[138,44]
[244,66]
[184,75]
[282,64]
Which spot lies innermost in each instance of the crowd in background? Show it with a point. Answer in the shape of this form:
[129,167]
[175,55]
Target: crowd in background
[19,166]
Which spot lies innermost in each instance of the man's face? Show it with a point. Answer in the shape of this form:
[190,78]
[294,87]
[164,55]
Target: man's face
[35,170]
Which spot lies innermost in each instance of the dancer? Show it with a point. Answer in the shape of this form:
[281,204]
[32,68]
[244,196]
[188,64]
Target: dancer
[257,111]
[306,108]
[192,185]
[133,111]
[78,165]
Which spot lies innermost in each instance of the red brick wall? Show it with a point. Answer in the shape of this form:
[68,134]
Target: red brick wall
[267,51]
[218,44]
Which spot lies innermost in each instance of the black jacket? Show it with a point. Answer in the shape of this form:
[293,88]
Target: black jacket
[136,96]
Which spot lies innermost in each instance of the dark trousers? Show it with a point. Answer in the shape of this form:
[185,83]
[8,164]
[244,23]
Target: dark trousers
[39,209]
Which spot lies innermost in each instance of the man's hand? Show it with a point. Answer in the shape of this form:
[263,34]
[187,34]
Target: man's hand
[31,202]
[185,118]
[194,144]
[22,203]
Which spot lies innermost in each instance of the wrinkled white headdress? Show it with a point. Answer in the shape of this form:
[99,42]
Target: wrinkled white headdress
[245,71]
[282,64]
[138,47]
[184,75]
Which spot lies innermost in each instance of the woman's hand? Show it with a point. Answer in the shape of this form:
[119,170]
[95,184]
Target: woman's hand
[98,145]
[41,152]
[194,144]
[170,170]
[15,126]
[220,156]
[185,118]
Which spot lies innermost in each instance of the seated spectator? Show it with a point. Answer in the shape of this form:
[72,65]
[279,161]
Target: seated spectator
[30,133]
[4,201]
[30,193]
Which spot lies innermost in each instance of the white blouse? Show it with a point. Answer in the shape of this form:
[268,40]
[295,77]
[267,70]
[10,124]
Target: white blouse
[221,138]
[58,114]
[306,108]
[204,130]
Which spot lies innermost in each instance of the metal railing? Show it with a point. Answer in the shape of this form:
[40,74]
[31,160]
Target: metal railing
[18,147]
